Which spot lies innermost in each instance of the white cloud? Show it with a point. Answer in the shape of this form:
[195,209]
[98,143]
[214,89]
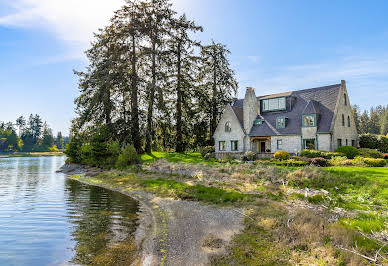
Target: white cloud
[72,21]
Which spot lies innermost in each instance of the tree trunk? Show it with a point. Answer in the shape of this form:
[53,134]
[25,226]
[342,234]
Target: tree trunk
[213,119]
[134,103]
[179,139]
[148,146]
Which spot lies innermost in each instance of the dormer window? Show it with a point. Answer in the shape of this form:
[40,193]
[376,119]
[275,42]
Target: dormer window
[275,104]
[309,120]
[281,122]
[228,127]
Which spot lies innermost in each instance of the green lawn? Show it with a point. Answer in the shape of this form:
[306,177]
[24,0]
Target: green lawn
[191,157]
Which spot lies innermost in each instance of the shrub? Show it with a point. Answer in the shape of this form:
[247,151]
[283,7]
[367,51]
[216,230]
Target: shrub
[370,153]
[349,151]
[293,162]
[372,162]
[337,161]
[323,154]
[359,161]
[54,148]
[128,156]
[319,161]
[210,155]
[310,153]
[369,141]
[73,150]
[206,150]
[281,155]
[248,156]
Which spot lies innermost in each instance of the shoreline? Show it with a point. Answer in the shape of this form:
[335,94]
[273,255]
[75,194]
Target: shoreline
[171,231]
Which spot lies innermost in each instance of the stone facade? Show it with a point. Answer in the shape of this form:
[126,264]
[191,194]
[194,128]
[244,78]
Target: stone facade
[242,119]
[341,129]
[236,134]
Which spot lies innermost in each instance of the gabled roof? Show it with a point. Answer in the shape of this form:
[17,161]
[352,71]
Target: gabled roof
[312,107]
[322,100]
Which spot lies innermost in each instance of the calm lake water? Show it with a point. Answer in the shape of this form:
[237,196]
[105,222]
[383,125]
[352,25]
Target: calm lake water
[46,219]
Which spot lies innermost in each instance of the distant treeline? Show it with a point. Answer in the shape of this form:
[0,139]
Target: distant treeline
[29,135]
[374,121]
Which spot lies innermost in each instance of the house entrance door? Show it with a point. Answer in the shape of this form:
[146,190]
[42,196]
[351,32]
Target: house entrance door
[262,146]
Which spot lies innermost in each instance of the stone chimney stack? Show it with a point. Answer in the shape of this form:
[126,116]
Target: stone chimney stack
[251,109]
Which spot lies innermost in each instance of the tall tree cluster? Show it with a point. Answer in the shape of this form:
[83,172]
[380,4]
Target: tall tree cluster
[374,121]
[150,83]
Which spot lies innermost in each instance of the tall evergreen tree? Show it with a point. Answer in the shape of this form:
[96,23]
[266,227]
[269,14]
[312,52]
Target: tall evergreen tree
[181,46]
[218,81]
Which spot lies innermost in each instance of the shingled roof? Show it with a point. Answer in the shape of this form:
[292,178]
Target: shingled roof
[320,100]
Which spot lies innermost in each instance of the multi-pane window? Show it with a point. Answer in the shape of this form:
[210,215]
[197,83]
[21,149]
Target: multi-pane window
[353,143]
[234,145]
[221,145]
[309,144]
[228,127]
[348,121]
[279,144]
[281,122]
[343,120]
[275,104]
[346,141]
[309,120]
[345,99]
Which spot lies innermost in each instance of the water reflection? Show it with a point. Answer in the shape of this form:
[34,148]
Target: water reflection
[48,220]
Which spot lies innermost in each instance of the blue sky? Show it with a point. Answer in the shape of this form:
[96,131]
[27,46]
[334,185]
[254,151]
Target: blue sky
[276,46]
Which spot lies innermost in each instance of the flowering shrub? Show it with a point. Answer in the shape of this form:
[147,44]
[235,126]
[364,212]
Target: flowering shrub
[338,160]
[319,161]
[281,155]
[370,153]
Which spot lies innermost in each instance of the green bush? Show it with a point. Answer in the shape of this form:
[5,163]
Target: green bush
[359,161]
[73,150]
[128,156]
[338,161]
[310,153]
[349,151]
[53,148]
[292,162]
[281,155]
[372,162]
[369,141]
[248,156]
[323,154]
[206,150]
[370,153]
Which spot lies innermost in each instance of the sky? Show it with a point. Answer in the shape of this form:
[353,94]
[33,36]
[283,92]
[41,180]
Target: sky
[276,46]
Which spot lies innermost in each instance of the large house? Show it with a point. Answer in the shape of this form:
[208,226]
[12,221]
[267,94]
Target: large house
[319,118]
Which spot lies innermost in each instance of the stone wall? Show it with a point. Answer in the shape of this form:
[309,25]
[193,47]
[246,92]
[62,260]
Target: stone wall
[340,131]
[324,142]
[236,134]
[291,144]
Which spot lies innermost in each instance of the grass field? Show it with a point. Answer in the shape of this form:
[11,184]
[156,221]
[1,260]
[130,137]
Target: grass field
[193,157]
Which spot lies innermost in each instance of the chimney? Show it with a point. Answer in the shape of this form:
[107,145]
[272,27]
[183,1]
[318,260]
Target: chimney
[251,107]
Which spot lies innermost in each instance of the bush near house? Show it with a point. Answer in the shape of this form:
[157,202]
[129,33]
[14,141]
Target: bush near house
[375,162]
[281,155]
[349,151]
[338,161]
[248,156]
[370,153]
[319,161]
[206,150]
[371,141]
[323,154]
